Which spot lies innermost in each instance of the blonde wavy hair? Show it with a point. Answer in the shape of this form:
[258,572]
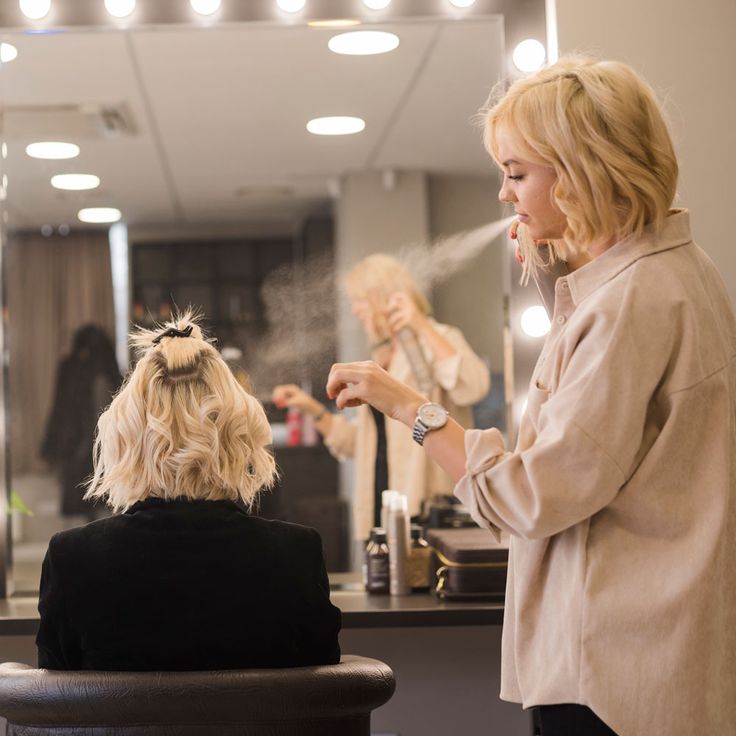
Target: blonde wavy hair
[376,278]
[181,426]
[599,126]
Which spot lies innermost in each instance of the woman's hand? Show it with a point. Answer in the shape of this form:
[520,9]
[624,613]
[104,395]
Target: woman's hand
[352,384]
[291,396]
[401,311]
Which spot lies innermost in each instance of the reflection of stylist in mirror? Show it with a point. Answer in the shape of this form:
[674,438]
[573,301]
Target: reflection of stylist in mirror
[414,349]
[619,497]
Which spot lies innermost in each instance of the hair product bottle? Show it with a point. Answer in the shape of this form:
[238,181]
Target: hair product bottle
[293,427]
[417,359]
[386,507]
[398,544]
[377,565]
[419,559]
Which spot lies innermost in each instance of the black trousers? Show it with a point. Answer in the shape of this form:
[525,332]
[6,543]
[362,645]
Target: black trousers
[568,720]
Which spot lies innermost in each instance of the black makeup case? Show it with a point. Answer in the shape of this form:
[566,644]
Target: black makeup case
[468,564]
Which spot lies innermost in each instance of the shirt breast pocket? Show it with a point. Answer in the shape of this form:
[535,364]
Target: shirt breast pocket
[538,395]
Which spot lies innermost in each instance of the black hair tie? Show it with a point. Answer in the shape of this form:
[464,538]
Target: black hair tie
[173,332]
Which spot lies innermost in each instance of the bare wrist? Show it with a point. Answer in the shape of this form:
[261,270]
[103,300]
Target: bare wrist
[408,412]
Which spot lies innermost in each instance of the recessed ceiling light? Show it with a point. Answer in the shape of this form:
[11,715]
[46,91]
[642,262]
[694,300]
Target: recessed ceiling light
[35,9]
[99,214]
[363,43]
[376,4]
[205,7]
[529,55]
[291,6]
[462,3]
[52,149]
[333,23]
[8,52]
[336,125]
[75,182]
[120,8]
[535,322]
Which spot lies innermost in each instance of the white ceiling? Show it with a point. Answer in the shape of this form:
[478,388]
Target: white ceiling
[220,116]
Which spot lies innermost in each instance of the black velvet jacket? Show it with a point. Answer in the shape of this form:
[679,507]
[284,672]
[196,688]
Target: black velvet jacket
[185,585]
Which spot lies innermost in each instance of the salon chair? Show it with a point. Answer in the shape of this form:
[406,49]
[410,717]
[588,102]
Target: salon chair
[329,700]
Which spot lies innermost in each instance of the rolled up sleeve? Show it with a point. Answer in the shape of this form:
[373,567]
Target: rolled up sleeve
[586,437]
[340,440]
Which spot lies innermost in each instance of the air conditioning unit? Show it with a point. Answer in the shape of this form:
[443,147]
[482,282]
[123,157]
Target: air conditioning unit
[68,121]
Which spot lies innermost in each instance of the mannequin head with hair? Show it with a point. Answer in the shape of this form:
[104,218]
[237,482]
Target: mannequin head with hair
[181,426]
[596,129]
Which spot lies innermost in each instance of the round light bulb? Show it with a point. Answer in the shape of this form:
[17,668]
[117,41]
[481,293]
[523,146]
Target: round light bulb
[462,3]
[529,55]
[535,322]
[120,8]
[35,9]
[52,150]
[205,7]
[99,214]
[75,182]
[291,6]
[8,52]
[363,43]
[376,4]
[336,125]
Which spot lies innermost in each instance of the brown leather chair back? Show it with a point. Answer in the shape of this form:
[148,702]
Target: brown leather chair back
[330,700]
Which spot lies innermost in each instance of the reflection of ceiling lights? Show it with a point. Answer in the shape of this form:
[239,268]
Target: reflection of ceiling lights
[333,23]
[99,214]
[205,7]
[363,43]
[535,322]
[120,8]
[529,55]
[462,3]
[291,6]
[75,182]
[376,4]
[35,9]
[336,125]
[52,149]
[8,52]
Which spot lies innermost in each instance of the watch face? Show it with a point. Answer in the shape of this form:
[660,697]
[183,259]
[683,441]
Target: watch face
[433,415]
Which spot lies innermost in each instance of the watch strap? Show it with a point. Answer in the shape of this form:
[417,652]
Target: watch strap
[420,431]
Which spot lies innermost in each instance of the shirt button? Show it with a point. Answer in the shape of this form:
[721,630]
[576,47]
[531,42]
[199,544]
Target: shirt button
[561,319]
[563,285]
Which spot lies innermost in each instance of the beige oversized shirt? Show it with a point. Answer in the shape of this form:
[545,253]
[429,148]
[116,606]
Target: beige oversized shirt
[620,496]
[460,381]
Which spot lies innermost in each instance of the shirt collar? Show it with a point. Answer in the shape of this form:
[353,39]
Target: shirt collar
[675,232]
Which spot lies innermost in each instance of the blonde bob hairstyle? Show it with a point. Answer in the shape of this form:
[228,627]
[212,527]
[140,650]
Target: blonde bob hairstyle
[379,276]
[598,125]
[181,426]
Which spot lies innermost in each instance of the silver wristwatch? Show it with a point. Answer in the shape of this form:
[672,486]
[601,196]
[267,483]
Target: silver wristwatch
[430,416]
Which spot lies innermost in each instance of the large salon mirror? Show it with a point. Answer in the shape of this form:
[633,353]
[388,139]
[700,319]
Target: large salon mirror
[197,132]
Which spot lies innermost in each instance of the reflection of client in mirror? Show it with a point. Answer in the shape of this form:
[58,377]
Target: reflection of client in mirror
[392,310]
[619,497]
[184,578]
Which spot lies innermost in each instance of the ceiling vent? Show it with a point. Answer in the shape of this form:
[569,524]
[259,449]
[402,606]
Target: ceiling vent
[68,122]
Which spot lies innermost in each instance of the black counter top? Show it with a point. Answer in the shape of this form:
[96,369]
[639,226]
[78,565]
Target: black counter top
[19,615]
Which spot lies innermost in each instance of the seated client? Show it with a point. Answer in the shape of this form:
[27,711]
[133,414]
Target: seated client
[183,578]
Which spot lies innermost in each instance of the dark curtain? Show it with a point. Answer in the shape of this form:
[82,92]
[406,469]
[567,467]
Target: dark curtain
[54,286]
